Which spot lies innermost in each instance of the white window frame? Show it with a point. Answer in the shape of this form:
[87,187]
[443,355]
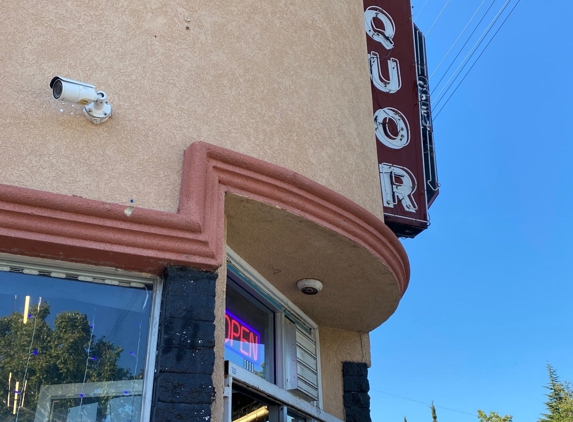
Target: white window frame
[277,391]
[101,275]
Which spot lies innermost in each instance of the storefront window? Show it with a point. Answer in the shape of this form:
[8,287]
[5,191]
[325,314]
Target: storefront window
[249,408]
[248,332]
[72,348]
[271,352]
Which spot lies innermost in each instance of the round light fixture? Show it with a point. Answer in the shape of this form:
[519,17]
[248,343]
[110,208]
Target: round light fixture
[309,286]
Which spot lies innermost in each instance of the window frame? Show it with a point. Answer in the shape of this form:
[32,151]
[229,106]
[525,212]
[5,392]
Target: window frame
[84,273]
[270,345]
[277,392]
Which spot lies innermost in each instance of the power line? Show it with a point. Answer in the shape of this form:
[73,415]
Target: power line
[466,43]
[438,18]
[420,12]
[425,404]
[472,66]
[468,57]
[119,321]
[457,39]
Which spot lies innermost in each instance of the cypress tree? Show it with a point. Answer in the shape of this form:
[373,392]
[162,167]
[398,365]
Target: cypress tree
[559,399]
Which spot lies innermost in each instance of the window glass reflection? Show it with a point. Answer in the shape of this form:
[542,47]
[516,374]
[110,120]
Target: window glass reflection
[248,332]
[247,408]
[71,350]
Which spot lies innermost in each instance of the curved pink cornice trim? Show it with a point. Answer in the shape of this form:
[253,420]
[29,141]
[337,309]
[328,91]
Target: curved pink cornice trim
[57,226]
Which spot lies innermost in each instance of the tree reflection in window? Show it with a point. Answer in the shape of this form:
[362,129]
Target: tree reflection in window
[56,367]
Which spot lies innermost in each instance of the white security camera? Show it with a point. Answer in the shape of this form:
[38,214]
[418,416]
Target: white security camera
[96,107]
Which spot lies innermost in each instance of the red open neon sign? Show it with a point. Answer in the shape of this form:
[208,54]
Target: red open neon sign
[241,338]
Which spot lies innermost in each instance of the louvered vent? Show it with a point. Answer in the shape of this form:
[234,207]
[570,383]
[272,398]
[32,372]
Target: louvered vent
[307,363]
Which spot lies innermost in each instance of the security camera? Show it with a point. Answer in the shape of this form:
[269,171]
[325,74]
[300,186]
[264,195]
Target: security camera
[309,286]
[71,91]
[96,107]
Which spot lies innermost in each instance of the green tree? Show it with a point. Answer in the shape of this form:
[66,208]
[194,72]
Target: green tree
[23,355]
[559,399]
[434,416]
[493,417]
[34,354]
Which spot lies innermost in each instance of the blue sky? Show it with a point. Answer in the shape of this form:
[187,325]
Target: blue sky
[490,296]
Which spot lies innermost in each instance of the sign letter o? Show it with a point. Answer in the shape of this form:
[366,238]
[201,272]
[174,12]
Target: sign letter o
[392,128]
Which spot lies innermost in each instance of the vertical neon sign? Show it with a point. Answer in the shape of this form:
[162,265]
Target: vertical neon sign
[398,115]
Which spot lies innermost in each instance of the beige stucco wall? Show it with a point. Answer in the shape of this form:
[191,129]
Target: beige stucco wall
[286,82]
[337,346]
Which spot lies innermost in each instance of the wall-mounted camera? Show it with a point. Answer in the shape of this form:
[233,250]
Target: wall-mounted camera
[96,107]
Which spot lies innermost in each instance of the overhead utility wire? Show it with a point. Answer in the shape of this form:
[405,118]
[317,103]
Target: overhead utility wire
[421,402]
[466,43]
[438,18]
[457,39]
[420,12]
[472,66]
[463,64]
[469,56]
[122,316]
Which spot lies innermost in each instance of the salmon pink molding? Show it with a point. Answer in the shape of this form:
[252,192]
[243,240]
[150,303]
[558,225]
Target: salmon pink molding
[50,225]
